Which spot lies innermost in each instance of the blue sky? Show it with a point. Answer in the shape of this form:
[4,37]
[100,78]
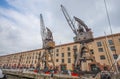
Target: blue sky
[3,3]
[20,27]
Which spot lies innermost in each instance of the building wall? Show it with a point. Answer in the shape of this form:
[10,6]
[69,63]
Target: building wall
[64,54]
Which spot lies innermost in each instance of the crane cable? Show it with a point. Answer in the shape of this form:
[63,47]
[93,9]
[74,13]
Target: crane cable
[108,17]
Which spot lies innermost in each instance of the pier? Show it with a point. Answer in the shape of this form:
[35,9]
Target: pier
[32,75]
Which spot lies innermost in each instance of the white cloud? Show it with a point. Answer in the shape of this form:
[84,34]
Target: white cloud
[20,27]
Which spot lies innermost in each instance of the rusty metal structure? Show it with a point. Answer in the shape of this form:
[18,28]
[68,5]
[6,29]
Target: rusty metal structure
[83,35]
[48,45]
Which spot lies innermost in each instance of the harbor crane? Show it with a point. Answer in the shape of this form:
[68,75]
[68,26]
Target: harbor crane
[48,45]
[83,35]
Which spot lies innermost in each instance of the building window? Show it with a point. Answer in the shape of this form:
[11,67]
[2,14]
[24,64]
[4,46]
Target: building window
[62,60]
[40,53]
[102,57]
[75,47]
[110,42]
[62,54]
[52,54]
[57,50]
[36,57]
[92,51]
[68,48]
[119,39]
[69,54]
[99,44]
[57,60]
[112,48]
[51,51]
[69,60]
[63,67]
[57,54]
[33,57]
[115,56]
[100,49]
[35,61]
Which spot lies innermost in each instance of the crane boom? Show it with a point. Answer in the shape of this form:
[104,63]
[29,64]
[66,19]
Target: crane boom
[46,34]
[43,33]
[83,34]
[82,23]
[70,22]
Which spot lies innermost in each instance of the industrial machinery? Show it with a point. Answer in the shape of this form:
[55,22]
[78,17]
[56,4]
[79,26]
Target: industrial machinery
[83,35]
[48,45]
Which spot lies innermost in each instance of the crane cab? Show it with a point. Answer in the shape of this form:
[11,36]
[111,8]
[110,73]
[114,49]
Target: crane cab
[84,37]
[49,44]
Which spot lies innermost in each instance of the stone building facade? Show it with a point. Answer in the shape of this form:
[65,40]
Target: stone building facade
[101,48]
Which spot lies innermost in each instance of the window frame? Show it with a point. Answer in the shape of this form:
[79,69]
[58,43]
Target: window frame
[62,54]
[57,50]
[68,48]
[110,42]
[119,39]
[99,44]
[62,60]
[69,54]
[92,51]
[115,56]
[112,48]
[57,54]
[100,50]
[102,57]
[69,60]
[57,60]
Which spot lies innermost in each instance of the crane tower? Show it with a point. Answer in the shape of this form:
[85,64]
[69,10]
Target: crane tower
[48,44]
[83,35]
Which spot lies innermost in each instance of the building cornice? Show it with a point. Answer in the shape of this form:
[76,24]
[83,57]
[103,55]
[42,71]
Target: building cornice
[116,34]
[96,38]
